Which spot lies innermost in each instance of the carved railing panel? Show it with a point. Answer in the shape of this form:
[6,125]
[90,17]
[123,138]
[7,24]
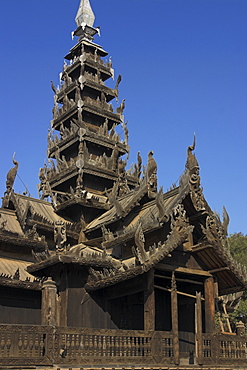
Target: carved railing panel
[224,349]
[232,347]
[85,346]
[25,344]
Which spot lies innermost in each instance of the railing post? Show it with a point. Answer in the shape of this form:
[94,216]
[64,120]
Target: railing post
[49,297]
[174,309]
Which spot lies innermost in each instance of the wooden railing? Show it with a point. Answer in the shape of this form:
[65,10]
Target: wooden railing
[224,349]
[45,345]
[40,345]
[26,345]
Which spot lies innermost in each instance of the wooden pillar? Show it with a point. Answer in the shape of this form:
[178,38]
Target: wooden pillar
[149,303]
[49,297]
[209,305]
[174,309]
[199,352]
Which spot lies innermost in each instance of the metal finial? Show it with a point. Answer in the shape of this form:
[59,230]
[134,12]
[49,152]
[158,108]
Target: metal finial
[85,14]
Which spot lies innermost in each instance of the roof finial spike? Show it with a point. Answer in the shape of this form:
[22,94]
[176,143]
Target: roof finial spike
[85,15]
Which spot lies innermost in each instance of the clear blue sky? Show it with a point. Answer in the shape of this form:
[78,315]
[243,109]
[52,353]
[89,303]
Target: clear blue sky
[184,68]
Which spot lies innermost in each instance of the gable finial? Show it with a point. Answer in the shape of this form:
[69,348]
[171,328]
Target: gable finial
[85,15]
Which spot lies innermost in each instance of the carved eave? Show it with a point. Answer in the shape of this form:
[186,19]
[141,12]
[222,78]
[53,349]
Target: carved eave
[38,269]
[19,284]
[72,199]
[30,212]
[92,107]
[180,229]
[22,241]
[91,137]
[65,90]
[76,50]
[149,211]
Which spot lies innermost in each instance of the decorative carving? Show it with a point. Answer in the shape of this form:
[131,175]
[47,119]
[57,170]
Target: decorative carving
[60,235]
[161,206]
[112,198]
[126,133]
[151,175]
[139,252]
[11,175]
[41,256]
[32,233]
[193,170]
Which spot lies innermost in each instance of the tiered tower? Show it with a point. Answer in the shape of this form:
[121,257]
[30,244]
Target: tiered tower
[84,150]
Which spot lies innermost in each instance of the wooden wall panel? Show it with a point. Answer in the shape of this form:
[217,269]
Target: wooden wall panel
[19,306]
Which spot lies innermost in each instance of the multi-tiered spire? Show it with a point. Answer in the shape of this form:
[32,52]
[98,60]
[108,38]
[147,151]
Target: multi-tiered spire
[84,150]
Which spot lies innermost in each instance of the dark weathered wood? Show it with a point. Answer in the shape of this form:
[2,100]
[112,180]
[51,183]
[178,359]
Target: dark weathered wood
[209,305]
[178,292]
[166,267]
[149,303]
[174,309]
[199,339]
[179,279]
[49,303]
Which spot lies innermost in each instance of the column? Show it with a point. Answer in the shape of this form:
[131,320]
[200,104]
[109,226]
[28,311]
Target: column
[149,303]
[49,296]
[199,352]
[209,305]
[174,309]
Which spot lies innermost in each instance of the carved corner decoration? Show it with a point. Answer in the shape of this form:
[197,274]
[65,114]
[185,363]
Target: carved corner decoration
[215,234]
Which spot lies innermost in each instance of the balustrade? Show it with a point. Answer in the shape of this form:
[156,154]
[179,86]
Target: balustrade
[19,342]
[45,345]
[233,348]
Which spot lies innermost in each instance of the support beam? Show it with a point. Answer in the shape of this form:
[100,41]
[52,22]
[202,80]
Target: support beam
[181,293]
[174,309]
[219,270]
[149,303]
[209,305]
[184,270]
[178,279]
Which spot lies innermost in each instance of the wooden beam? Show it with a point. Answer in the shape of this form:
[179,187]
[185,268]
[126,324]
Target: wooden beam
[209,305]
[184,270]
[174,314]
[182,280]
[199,247]
[178,292]
[226,268]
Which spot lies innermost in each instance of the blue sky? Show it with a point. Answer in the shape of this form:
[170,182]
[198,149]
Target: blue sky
[184,70]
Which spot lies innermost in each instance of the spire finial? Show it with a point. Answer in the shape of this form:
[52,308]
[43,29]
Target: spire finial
[85,14]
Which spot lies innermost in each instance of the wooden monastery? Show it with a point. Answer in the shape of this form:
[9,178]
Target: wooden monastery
[105,270]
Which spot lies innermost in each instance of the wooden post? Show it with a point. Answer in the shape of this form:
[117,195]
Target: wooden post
[149,304]
[199,339]
[49,296]
[209,305]
[174,309]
